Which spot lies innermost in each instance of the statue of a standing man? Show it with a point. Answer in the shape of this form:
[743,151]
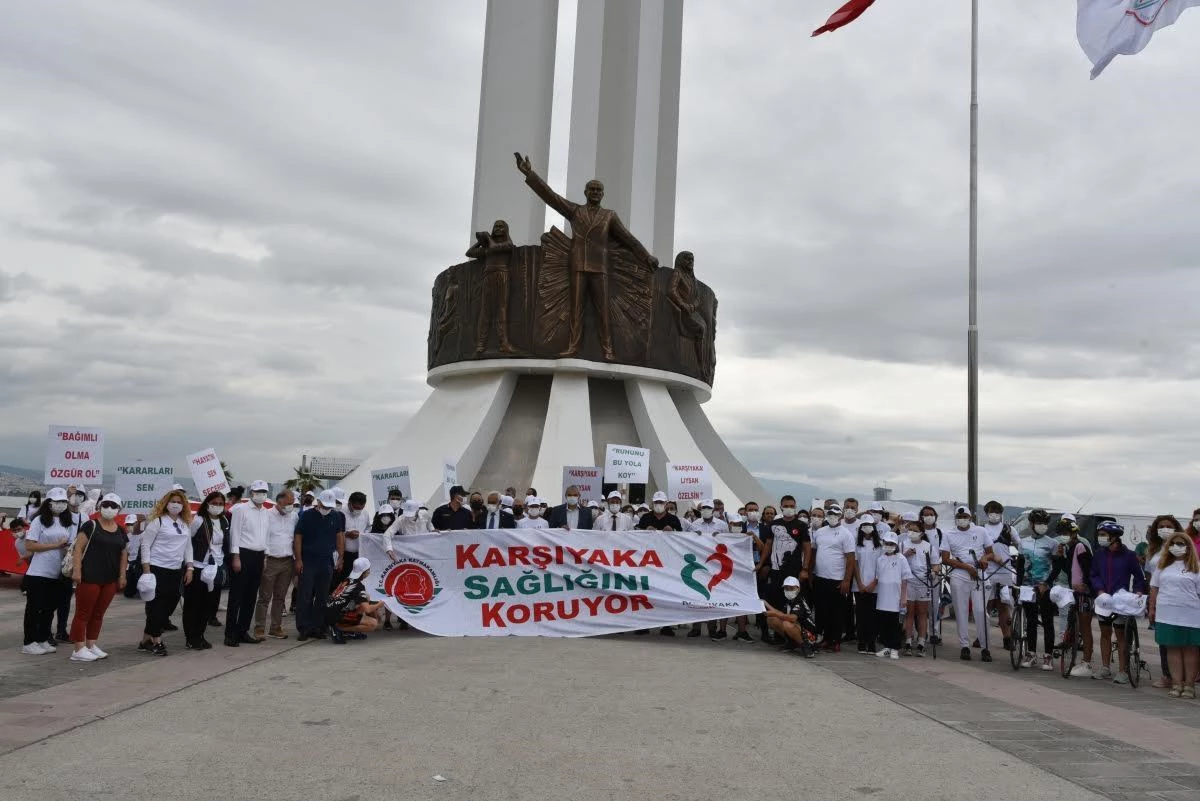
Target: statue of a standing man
[591,228]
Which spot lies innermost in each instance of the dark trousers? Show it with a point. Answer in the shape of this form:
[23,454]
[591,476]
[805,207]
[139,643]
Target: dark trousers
[1046,610]
[849,627]
[214,600]
[64,605]
[243,594]
[312,594]
[868,631]
[42,596]
[166,598]
[764,589]
[888,624]
[197,605]
[829,603]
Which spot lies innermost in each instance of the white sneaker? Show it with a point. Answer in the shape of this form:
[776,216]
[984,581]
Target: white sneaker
[894,654]
[1028,661]
[1082,671]
[95,649]
[1105,673]
[34,649]
[1046,663]
[83,655]
[884,653]
[49,647]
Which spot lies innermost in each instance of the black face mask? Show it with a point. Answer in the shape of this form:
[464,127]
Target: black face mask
[477,505]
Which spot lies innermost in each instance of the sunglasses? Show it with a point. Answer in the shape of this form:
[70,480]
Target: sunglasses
[110,505]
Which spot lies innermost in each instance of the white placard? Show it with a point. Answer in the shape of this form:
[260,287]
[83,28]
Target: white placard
[625,464]
[388,479]
[141,484]
[587,478]
[74,455]
[207,473]
[449,476]
[688,481]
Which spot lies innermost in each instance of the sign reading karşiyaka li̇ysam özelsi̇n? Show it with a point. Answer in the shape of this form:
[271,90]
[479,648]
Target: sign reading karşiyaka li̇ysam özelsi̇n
[554,583]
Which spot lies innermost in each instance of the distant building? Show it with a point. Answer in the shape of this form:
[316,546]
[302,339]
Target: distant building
[883,493]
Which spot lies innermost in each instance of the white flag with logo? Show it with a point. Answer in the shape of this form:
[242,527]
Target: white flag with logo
[1110,28]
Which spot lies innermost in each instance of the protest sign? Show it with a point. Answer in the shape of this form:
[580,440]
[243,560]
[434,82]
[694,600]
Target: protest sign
[625,464]
[74,455]
[528,583]
[207,472]
[449,476]
[587,478]
[388,479]
[688,481]
[141,484]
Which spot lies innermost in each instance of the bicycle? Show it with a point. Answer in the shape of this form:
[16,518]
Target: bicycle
[1072,641]
[1133,652]
[1017,654]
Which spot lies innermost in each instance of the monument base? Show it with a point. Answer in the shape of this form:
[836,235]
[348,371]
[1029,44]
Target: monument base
[517,422]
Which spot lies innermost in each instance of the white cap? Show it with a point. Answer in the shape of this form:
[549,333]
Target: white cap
[791,581]
[146,585]
[1068,516]
[890,537]
[130,520]
[615,494]
[177,487]
[539,502]
[112,497]
[866,520]
[260,486]
[361,565]
[659,496]
[962,511]
[506,501]
[1103,605]
[385,509]
[327,499]
[56,494]
[530,500]
[733,517]
[705,504]
[411,508]
[909,517]
[593,504]
[209,576]
[339,493]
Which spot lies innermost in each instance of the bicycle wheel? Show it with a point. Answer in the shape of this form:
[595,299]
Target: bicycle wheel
[1018,637]
[1067,663]
[933,618]
[1133,654]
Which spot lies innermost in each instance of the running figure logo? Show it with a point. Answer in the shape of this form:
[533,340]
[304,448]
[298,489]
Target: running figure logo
[724,570]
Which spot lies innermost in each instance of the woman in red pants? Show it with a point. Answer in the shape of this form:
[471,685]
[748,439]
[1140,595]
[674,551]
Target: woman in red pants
[101,556]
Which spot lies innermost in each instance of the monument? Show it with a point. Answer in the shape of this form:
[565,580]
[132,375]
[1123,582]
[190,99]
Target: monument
[546,346]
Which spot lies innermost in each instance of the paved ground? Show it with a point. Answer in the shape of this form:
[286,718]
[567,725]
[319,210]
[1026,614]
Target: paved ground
[526,718]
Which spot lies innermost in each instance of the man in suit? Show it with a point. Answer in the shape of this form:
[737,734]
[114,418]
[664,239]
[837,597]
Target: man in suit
[493,516]
[571,515]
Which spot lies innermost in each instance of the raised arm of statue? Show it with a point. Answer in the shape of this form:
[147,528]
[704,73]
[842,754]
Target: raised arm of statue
[540,188]
[619,232]
[479,249]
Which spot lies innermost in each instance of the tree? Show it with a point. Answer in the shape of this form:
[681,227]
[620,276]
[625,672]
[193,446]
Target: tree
[304,481]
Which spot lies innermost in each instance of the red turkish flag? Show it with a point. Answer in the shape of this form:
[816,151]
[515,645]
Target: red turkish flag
[844,16]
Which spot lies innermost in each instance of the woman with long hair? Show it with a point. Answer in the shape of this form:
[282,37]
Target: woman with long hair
[32,507]
[100,558]
[1175,611]
[866,553]
[914,544]
[208,530]
[1193,528]
[46,542]
[167,555]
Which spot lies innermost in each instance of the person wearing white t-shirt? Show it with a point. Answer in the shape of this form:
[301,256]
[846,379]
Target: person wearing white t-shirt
[891,595]
[917,550]
[833,547]
[866,552]
[51,531]
[999,570]
[534,509]
[1175,611]
[708,523]
[963,549]
[611,518]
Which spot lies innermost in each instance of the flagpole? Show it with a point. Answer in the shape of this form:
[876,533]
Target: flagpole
[973,278]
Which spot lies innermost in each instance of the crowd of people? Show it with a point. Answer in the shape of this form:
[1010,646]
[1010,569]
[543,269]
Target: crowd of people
[830,574]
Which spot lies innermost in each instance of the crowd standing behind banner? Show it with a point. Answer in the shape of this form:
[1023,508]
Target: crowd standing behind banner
[826,575]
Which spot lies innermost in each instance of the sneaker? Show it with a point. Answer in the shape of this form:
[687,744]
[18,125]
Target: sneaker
[145,647]
[1105,673]
[356,635]
[1082,671]
[193,645]
[921,649]
[160,649]
[387,625]
[260,633]
[965,655]
[893,654]
[1008,644]
[717,636]
[232,642]
[884,653]
[693,633]
[743,636]
[337,637]
[1029,660]
[83,655]
[95,649]
[205,644]
[985,655]
[1046,664]
[49,647]
[1121,678]
[1189,693]
[250,640]
[908,649]
[1161,683]
[277,634]
[34,649]
[303,637]
[169,626]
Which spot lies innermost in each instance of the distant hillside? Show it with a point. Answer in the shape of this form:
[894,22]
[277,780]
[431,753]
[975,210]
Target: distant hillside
[25,472]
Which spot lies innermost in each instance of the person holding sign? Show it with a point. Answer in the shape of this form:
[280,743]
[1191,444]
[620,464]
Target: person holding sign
[99,558]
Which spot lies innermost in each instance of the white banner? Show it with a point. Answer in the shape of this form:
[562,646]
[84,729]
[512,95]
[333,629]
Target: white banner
[688,482]
[587,478]
[625,464]
[140,485]
[449,477]
[554,583]
[207,473]
[386,480]
[74,456]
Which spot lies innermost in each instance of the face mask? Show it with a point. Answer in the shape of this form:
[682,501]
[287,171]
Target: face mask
[833,520]
[1102,541]
[258,498]
[851,514]
[283,509]
[707,514]
[1165,532]
[324,511]
[753,517]
[423,514]
[614,507]
[175,507]
[791,593]
[215,509]
[889,548]
[493,508]
[659,508]
[994,517]
[58,507]
[535,512]
[817,522]
[1040,529]
[1196,523]
[109,514]
[914,536]
[572,500]
[867,531]
[386,520]
[76,500]
[477,505]
[963,523]
[789,512]
[929,520]
[1178,551]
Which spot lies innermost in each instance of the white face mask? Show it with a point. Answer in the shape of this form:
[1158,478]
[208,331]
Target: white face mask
[707,514]
[1178,551]
[386,520]
[929,520]
[324,510]
[833,520]
[788,511]
[753,517]
[1102,541]
[867,531]
[851,514]
[889,548]
[1196,523]
[109,514]
[215,509]
[963,523]
[914,536]
[572,500]
[283,508]
[1165,532]
[58,507]
[614,507]
[1040,529]
[791,593]
[535,511]
[258,498]
[493,508]
[995,517]
[659,508]
[76,500]
[174,507]
[423,514]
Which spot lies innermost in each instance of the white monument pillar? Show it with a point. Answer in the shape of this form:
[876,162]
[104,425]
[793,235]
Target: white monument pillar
[515,102]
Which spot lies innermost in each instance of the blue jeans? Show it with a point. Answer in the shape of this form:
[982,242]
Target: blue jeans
[312,593]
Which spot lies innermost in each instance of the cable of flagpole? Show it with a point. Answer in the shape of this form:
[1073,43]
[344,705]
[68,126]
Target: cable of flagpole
[973,278]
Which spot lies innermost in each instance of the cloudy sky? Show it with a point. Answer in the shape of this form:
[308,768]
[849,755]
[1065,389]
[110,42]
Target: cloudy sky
[219,223]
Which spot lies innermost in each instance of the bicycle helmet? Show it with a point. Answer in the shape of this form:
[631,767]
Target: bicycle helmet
[1111,528]
[1039,516]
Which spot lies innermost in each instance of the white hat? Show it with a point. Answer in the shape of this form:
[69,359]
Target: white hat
[260,486]
[705,504]
[909,517]
[866,520]
[506,501]
[659,496]
[593,504]
[386,509]
[530,500]
[410,508]
[339,493]
[146,585]
[177,487]
[327,499]
[1068,516]
[733,517]
[130,520]
[361,565]
[209,576]
[1062,597]
[1103,605]
[539,502]
[614,494]
[890,537]
[112,497]
[56,494]
[791,581]
[962,511]
[876,506]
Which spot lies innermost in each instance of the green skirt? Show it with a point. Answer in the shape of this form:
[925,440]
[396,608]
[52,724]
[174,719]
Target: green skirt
[1176,636]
